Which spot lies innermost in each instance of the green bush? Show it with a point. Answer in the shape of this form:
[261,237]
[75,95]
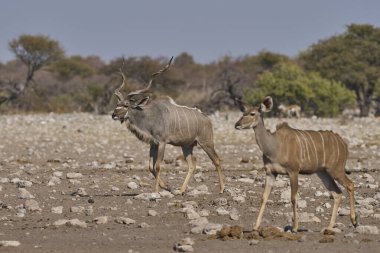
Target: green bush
[288,84]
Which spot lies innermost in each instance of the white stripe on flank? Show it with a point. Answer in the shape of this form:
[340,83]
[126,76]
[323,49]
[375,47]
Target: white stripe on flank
[306,144]
[323,148]
[179,122]
[187,121]
[315,149]
[300,144]
[337,147]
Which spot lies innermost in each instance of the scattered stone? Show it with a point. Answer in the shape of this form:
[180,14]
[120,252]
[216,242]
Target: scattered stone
[77,209]
[367,230]
[60,222]
[212,228]
[166,194]
[76,223]
[144,225]
[148,196]
[115,189]
[220,202]
[344,211]
[101,220]
[152,213]
[81,192]
[302,203]
[200,222]
[24,183]
[123,220]
[72,175]
[234,214]
[24,194]
[204,213]
[253,242]
[185,245]
[200,190]
[222,211]
[9,243]
[32,205]
[57,209]
[246,180]
[239,199]
[132,185]
[191,214]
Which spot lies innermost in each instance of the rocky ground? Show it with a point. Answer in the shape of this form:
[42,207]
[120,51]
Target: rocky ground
[80,183]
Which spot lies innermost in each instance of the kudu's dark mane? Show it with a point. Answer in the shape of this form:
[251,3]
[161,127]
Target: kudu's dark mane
[141,135]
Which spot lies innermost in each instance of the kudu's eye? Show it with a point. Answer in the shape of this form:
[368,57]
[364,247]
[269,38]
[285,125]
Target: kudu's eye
[252,113]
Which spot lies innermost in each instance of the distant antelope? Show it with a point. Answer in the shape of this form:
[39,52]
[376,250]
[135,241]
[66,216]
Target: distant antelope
[291,151]
[290,110]
[160,121]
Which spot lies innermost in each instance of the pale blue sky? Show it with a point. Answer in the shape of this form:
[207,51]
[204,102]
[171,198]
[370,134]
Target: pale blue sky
[206,29]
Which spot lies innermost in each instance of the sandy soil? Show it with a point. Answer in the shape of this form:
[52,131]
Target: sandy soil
[38,153]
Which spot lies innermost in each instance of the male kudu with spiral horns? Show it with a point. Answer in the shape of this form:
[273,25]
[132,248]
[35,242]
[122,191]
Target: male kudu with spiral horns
[159,121]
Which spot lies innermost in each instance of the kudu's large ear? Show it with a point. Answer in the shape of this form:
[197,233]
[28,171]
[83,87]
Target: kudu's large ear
[266,105]
[242,106]
[140,103]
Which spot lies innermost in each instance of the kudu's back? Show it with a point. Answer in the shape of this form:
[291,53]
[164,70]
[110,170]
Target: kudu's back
[310,151]
[164,120]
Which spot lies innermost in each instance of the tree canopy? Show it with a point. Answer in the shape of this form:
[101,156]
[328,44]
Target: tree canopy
[352,58]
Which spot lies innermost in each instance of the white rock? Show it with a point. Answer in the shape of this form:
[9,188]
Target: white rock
[344,211]
[81,192]
[212,228]
[123,220]
[234,214]
[144,225]
[57,209]
[101,220]
[204,213]
[54,181]
[152,213]
[183,248]
[246,180]
[239,199]
[77,209]
[302,203]
[24,194]
[308,217]
[10,243]
[72,175]
[222,211]
[220,202]
[76,223]
[115,189]
[200,222]
[148,196]
[368,230]
[32,205]
[60,222]
[132,185]
[285,196]
[166,194]
[191,214]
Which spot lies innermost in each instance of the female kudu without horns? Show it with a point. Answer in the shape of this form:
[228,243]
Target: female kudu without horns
[292,151]
[160,121]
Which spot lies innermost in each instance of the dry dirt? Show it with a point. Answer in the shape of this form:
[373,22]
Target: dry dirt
[38,151]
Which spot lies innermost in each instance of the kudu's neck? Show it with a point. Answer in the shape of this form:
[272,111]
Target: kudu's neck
[265,140]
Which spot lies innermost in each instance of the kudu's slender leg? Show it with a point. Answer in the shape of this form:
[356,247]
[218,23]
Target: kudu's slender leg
[157,154]
[210,151]
[350,187]
[269,181]
[330,184]
[188,154]
[293,198]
